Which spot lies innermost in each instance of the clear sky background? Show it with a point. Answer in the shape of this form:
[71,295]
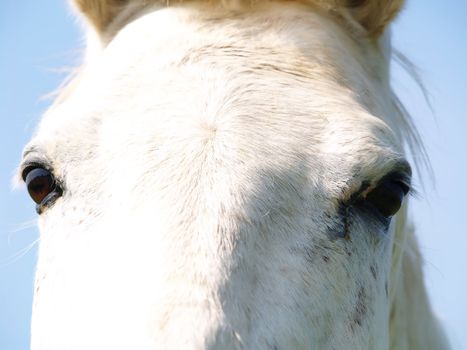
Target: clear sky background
[39,41]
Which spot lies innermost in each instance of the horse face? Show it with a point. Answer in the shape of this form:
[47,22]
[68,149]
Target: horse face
[222,180]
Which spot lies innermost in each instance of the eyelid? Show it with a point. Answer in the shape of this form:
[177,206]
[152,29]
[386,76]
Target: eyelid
[400,171]
[33,162]
[393,176]
[398,176]
[403,169]
[33,156]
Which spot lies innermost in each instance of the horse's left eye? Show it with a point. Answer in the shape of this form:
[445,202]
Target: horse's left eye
[387,197]
[42,187]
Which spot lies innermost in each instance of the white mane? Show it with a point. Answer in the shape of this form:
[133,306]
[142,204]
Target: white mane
[209,156]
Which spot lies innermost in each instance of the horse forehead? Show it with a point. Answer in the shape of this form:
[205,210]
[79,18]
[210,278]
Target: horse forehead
[143,97]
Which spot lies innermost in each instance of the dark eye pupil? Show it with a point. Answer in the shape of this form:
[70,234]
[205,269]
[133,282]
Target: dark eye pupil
[387,197]
[40,183]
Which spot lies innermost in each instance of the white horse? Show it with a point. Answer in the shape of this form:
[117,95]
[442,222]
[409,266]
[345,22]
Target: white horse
[226,175]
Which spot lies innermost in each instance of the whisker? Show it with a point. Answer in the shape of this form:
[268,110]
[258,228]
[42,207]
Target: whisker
[11,233]
[23,226]
[18,255]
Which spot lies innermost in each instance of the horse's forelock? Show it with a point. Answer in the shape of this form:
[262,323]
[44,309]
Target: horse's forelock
[371,16]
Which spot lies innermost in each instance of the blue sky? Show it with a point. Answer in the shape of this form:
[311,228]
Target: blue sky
[39,40]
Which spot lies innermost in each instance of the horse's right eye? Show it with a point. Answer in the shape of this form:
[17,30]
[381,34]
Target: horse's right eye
[42,187]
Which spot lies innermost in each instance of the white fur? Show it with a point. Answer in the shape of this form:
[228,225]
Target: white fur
[204,155]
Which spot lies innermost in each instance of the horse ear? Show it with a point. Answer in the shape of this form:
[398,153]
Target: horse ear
[101,13]
[374,15]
